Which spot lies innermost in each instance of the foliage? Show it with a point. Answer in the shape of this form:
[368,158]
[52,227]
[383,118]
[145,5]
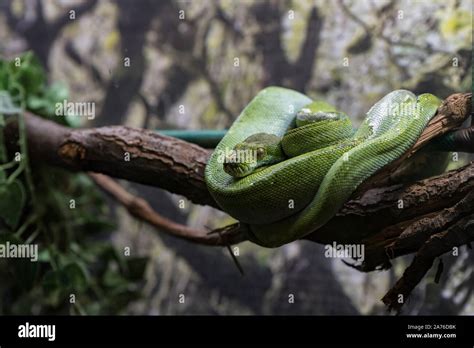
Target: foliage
[59,211]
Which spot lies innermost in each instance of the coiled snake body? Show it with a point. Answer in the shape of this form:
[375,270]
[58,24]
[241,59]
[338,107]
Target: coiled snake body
[307,159]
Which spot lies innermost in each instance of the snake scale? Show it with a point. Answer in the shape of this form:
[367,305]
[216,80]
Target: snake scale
[307,159]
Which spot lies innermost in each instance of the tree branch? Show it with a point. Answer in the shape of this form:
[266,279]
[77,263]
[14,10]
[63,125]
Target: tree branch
[127,153]
[374,215]
[437,213]
[454,110]
[140,209]
[460,233]
[149,158]
[409,235]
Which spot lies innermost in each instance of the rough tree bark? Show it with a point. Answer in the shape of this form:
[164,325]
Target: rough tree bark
[178,167]
[438,212]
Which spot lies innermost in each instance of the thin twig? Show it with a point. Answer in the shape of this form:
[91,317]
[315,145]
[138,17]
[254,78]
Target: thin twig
[440,243]
[140,209]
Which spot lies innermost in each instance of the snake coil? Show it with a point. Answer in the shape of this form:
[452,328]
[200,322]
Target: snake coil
[324,162]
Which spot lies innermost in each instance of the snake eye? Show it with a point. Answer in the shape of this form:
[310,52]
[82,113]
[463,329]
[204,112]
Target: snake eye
[260,152]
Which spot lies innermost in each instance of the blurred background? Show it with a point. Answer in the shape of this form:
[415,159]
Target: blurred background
[195,65]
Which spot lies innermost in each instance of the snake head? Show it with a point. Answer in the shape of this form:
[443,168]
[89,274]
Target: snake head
[255,152]
[317,111]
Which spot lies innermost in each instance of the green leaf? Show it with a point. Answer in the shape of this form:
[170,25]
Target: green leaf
[73,121]
[75,276]
[114,280]
[57,92]
[37,103]
[45,103]
[12,202]
[4,76]
[30,74]
[17,93]
[72,276]
[44,256]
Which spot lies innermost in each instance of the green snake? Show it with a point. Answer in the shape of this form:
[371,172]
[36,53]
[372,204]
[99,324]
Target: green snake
[288,164]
